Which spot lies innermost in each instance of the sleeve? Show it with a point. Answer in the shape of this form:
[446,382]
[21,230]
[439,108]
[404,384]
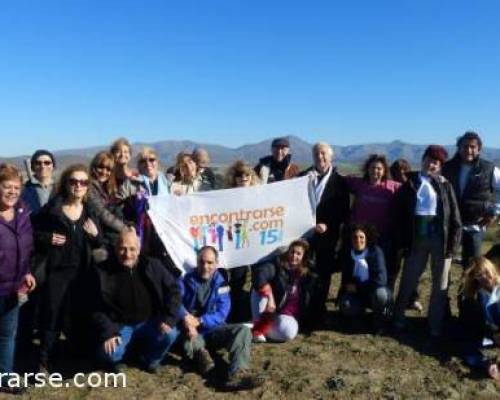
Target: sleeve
[172,298]
[495,208]
[105,215]
[454,223]
[219,314]
[380,278]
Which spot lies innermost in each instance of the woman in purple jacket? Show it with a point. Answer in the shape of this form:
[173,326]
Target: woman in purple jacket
[16,247]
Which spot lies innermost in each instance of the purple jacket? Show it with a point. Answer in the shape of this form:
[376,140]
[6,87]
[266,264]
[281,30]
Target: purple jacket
[16,248]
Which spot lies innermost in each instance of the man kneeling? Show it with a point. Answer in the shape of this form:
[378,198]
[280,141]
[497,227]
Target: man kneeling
[138,302]
[206,305]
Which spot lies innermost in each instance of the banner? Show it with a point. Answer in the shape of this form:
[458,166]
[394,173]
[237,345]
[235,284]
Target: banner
[245,225]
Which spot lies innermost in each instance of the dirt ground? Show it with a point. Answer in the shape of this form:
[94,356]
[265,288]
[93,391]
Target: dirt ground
[334,363]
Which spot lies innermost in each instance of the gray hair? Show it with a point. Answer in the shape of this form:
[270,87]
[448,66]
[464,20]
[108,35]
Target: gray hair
[324,145]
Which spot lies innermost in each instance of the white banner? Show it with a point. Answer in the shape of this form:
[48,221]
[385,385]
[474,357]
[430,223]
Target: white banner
[245,225]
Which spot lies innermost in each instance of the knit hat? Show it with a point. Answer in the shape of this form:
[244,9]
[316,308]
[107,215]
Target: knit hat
[40,153]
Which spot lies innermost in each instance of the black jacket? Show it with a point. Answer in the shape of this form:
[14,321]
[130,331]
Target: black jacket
[278,276]
[478,195]
[51,220]
[447,212]
[165,289]
[376,268]
[332,210]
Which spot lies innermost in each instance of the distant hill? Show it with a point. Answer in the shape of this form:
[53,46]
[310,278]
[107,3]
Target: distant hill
[348,156]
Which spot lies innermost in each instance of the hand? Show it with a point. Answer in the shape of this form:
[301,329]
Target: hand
[190,321]
[350,288]
[30,282]
[192,333]
[58,239]
[165,328]
[271,305]
[321,228]
[111,344]
[90,228]
[487,221]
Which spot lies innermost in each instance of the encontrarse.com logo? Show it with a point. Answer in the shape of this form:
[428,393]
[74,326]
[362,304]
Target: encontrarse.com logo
[55,380]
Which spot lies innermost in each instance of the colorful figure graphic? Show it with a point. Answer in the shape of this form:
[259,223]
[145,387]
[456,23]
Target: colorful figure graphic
[220,237]
[213,233]
[237,231]
[230,233]
[194,231]
[205,234]
[244,236]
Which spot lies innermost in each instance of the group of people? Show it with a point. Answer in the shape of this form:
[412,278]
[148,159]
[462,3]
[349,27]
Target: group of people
[81,256]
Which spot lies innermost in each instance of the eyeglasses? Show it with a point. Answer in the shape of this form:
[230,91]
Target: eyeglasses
[80,182]
[46,163]
[105,167]
[150,160]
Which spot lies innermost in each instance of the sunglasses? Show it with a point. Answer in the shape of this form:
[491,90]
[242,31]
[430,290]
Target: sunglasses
[80,182]
[104,167]
[150,160]
[44,162]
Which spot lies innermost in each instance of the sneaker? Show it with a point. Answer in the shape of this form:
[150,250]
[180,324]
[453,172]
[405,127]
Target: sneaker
[241,380]
[259,339]
[417,306]
[204,361]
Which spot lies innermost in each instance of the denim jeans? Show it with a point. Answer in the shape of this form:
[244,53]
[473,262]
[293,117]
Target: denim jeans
[156,344]
[471,245]
[9,312]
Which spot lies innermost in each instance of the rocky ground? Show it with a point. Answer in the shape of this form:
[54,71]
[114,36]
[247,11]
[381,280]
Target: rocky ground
[335,363]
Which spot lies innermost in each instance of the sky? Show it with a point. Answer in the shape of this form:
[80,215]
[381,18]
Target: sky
[82,73]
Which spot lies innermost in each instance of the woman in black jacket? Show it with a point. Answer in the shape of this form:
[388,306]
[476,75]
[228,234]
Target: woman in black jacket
[66,231]
[428,225]
[282,295]
[364,274]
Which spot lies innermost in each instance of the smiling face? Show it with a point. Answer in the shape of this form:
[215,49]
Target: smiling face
[295,256]
[358,240]
[431,166]
[77,185]
[148,165]
[10,190]
[122,155]
[189,169]
[102,171]
[43,167]
[322,158]
[376,172]
[243,179]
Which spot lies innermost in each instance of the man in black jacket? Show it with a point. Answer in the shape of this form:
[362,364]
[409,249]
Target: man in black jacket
[332,210]
[278,166]
[477,188]
[138,300]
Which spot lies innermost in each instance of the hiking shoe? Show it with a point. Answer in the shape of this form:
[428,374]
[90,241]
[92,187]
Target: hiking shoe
[204,361]
[417,306]
[242,380]
[259,339]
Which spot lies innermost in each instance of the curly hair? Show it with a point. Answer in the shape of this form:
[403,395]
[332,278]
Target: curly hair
[470,285]
[238,168]
[369,231]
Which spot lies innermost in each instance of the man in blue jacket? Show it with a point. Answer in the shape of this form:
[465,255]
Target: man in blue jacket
[206,305]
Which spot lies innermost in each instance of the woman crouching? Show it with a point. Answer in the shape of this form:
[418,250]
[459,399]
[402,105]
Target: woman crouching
[282,295]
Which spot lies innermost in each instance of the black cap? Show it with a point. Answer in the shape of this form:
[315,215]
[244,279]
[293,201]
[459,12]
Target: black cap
[280,142]
[39,153]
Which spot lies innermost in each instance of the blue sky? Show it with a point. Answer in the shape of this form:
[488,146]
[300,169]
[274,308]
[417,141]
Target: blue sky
[81,73]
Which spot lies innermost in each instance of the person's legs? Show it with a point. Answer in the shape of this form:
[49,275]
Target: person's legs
[471,245]
[380,299]
[237,339]
[414,266]
[156,343]
[351,305]
[9,313]
[191,346]
[258,304]
[283,329]
[440,268]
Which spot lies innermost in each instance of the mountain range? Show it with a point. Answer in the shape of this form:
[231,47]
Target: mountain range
[301,149]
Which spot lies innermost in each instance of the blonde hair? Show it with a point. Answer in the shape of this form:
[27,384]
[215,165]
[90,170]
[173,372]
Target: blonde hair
[239,167]
[144,153]
[470,285]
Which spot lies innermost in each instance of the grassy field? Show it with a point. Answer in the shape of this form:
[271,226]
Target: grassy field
[335,363]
